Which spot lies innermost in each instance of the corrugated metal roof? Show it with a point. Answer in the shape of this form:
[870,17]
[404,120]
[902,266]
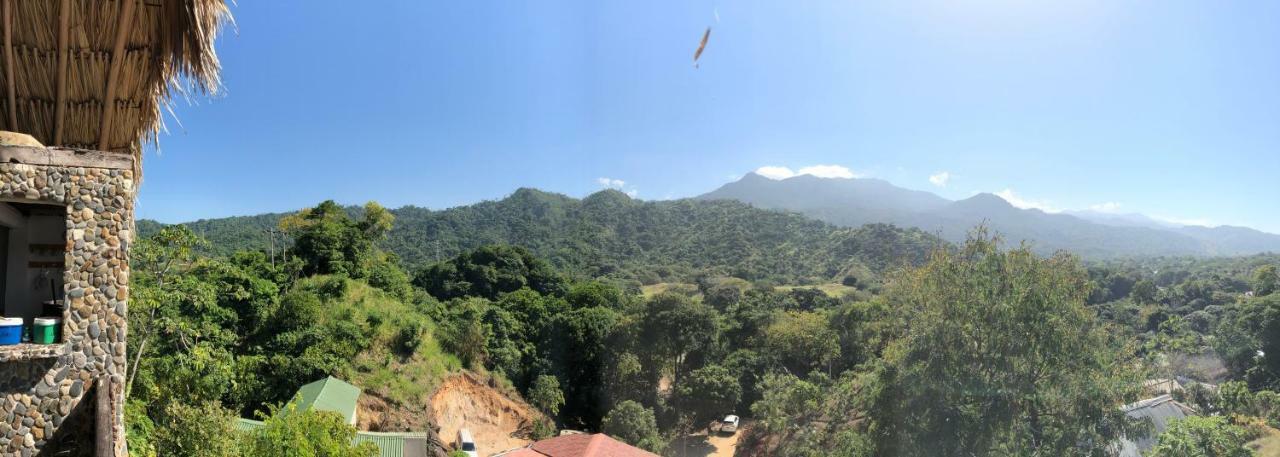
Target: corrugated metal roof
[247,425]
[330,394]
[1160,411]
[389,444]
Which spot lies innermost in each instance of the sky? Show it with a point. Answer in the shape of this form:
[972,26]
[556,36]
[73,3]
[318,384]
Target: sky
[1169,108]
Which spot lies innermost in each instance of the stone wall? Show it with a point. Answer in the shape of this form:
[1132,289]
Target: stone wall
[47,394]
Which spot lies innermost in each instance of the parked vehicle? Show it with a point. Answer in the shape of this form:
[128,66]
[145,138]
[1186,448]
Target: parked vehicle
[729,424]
[466,443]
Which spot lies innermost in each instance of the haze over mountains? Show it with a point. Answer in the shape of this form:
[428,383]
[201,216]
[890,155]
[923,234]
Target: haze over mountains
[857,201]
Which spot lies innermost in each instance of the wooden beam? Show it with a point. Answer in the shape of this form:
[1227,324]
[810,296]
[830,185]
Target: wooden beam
[8,65]
[59,157]
[113,75]
[60,110]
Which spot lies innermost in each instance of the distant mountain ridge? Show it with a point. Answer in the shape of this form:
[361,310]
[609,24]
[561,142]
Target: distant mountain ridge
[611,234]
[857,201]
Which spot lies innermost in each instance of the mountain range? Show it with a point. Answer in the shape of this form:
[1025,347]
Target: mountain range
[856,201]
[611,234]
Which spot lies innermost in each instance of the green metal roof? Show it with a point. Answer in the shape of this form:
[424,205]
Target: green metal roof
[330,394]
[389,444]
[396,444]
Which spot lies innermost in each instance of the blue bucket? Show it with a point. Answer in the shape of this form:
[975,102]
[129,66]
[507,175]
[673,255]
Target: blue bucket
[10,331]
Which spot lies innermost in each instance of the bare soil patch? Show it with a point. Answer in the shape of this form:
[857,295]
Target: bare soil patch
[497,421]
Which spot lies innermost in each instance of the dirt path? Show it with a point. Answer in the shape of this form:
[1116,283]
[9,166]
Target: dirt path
[497,422]
[701,445]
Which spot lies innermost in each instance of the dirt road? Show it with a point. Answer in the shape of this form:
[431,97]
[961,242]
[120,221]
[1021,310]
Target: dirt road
[701,445]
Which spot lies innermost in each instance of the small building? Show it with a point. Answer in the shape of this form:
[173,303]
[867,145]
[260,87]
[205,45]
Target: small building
[1160,411]
[340,397]
[330,394]
[579,445]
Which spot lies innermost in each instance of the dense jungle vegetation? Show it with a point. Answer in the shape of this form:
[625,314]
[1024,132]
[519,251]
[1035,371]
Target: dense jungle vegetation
[984,348]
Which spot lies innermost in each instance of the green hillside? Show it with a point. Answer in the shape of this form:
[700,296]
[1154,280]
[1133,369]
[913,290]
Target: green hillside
[612,235]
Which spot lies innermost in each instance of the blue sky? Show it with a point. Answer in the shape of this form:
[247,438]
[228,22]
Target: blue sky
[1168,108]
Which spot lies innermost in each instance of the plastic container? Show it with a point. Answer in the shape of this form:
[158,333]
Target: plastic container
[10,331]
[45,330]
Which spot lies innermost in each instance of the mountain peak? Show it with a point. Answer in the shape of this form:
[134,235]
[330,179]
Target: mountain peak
[986,200]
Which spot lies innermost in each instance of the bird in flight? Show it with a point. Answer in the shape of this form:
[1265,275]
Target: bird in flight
[701,46]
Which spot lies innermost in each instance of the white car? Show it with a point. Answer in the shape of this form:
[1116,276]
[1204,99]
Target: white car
[729,424]
[466,443]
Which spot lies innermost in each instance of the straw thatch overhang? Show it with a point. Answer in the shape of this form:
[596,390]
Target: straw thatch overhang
[94,74]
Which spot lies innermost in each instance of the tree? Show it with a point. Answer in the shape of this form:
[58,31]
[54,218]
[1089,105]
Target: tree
[633,424]
[489,272]
[290,432]
[998,355]
[1248,338]
[159,260]
[677,326]
[802,342]
[545,395]
[1144,292]
[329,242]
[708,393]
[206,430]
[1202,437]
[576,343]
[1266,280]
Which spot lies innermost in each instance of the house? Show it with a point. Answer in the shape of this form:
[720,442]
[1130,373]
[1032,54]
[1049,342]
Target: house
[330,394]
[1160,411]
[337,396]
[82,85]
[579,445]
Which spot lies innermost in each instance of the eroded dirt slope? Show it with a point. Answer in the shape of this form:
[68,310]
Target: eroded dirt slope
[496,421]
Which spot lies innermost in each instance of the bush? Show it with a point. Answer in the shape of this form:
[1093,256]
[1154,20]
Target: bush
[201,430]
[633,424]
[1203,437]
[290,432]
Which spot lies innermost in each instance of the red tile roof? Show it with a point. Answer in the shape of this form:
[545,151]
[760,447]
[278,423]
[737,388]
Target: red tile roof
[597,445]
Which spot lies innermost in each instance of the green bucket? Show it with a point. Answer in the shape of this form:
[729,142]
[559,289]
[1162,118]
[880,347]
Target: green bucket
[45,330]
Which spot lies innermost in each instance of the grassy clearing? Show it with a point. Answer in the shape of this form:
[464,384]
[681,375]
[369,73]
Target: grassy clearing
[683,288]
[832,290]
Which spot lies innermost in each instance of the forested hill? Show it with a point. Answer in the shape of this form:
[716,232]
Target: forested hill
[611,234]
[858,201]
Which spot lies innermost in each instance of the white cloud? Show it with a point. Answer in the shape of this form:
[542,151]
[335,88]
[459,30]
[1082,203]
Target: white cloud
[821,171]
[1106,207]
[772,172]
[610,183]
[1026,203]
[940,179]
[619,185]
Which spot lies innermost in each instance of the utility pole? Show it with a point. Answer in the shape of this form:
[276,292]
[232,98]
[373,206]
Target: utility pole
[272,233]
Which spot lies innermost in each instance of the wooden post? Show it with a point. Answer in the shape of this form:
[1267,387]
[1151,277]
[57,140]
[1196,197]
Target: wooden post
[104,419]
[60,109]
[8,65]
[113,75]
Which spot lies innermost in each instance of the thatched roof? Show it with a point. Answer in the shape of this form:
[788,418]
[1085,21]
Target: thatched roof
[64,61]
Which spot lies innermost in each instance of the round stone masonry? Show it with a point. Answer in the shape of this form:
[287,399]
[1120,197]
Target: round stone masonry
[44,390]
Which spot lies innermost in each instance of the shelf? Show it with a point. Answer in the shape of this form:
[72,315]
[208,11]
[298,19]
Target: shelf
[27,351]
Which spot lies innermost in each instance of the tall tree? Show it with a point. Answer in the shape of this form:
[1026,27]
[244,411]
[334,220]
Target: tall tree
[998,356]
[1266,280]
